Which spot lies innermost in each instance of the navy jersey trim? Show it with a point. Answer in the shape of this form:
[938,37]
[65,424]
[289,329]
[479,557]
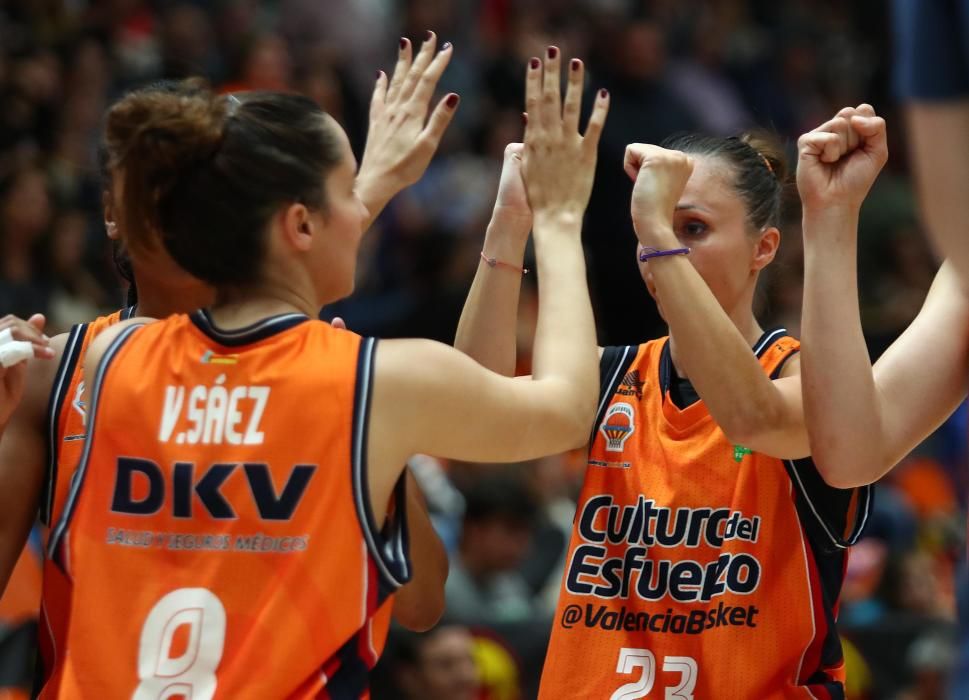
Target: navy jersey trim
[613,364]
[77,482]
[351,678]
[389,546]
[829,506]
[768,337]
[666,371]
[62,382]
[253,333]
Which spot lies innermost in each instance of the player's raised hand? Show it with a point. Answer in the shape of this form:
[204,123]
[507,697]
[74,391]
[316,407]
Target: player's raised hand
[16,330]
[401,140]
[559,161]
[838,162]
[659,175]
[511,204]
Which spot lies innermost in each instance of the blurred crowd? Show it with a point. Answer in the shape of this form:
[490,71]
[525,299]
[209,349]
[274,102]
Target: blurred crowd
[719,66]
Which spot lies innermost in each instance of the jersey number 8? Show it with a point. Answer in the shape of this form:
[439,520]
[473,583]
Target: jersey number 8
[192,672]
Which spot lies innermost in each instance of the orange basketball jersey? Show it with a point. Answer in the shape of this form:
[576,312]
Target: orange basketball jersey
[697,568]
[65,413]
[219,538]
[65,442]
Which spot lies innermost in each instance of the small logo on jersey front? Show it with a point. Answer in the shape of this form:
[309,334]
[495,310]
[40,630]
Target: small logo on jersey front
[77,404]
[618,425]
[739,451]
[632,385]
[211,358]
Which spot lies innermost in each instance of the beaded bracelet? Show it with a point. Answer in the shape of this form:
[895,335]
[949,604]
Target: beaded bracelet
[648,253]
[495,262]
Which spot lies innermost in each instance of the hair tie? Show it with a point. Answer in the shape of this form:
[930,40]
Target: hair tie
[766,162]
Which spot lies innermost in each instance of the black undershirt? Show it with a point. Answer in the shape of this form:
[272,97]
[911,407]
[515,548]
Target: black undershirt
[682,392]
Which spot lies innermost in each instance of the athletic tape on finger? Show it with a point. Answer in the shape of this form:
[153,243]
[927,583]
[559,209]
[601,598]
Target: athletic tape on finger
[15,351]
[6,336]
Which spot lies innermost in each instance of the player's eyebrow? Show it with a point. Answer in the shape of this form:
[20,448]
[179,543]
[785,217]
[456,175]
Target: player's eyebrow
[692,207]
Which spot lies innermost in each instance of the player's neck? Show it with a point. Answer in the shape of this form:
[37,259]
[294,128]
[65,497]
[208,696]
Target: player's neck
[161,294]
[242,307]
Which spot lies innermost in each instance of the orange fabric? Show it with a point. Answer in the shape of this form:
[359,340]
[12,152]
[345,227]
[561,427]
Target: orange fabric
[215,543]
[688,570]
[22,596]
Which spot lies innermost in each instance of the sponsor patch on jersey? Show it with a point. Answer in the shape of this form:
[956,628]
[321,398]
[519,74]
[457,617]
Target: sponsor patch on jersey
[211,358]
[618,425]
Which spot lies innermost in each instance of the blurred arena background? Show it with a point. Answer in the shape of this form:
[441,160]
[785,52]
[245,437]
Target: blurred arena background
[717,65]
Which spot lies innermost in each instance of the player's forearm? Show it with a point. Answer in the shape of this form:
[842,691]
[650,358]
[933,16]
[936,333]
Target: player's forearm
[841,403]
[486,331]
[724,371]
[565,341]
[374,194]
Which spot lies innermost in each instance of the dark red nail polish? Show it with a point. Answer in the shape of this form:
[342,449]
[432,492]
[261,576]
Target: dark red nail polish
[403,43]
[447,45]
[603,93]
[430,35]
[553,51]
[452,100]
[524,118]
[379,73]
[534,63]
[574,64]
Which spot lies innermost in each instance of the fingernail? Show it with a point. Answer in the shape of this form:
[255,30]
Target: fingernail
[574,64]
[452,100]
[553,51]
[603,93]
[447,45]
[403,43]
[379,73]
[429,35]
[525,118]
[534,63]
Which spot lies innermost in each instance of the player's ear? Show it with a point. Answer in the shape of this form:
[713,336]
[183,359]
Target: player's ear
[297,227]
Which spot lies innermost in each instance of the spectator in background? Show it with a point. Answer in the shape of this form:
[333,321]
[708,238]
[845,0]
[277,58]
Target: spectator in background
[485,585]
[435,665]
[25,215]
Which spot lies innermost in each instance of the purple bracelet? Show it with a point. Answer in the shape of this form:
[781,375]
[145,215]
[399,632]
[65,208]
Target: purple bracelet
[648,253]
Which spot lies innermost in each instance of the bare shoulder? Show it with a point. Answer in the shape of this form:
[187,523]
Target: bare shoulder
[105,338]
[40,381]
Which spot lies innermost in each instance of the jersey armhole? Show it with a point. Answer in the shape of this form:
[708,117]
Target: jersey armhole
[613,365]
[389,545]
[62,382]
[836,518]
[56,547]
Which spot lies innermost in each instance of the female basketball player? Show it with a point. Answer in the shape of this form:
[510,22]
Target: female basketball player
[49,420]
[707,553]
[233,511]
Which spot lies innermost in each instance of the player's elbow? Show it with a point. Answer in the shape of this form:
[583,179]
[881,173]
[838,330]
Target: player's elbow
[422,612]
[574,420]
[848,472]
